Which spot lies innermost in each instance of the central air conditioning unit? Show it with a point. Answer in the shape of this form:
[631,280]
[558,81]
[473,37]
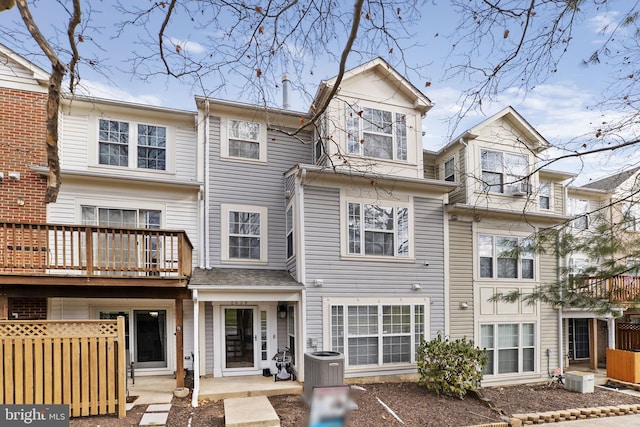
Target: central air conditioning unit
[519,189]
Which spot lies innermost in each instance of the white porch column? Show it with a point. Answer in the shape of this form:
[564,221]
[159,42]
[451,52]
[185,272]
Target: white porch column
[196,349]
[611,324]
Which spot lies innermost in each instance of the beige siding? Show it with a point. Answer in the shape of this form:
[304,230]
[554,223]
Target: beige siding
[460,279]
[558,199]
[548,329]
[459,195]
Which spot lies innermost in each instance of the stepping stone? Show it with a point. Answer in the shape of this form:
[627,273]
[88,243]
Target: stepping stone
[253,411]
[154,419]
[159,407]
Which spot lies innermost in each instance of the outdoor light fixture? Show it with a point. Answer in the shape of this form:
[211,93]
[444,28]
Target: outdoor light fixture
[282,311]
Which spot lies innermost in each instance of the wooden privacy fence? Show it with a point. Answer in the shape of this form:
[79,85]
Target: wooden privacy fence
[623,365]
[79,363]
[628,336]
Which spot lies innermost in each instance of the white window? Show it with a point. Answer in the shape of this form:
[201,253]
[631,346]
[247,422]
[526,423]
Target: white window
[579,209]
[115,138]
[505,257]
[544,194]
[504,172]
[510,348]
[244,233]
[631,216]
[377,334]
[243,140]
[449,170]
[289,225]
[378,230]
[376,133]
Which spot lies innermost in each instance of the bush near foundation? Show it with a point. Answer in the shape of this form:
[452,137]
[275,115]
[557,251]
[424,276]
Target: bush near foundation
[450,367]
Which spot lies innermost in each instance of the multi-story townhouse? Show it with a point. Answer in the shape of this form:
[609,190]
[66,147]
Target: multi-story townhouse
[123,234]
[608,205]
[325,241]
[502,201]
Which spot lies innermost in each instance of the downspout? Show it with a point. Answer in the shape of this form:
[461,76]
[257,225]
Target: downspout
[565,198]
[206,235]
[196,349]
[302,275]
[447,284]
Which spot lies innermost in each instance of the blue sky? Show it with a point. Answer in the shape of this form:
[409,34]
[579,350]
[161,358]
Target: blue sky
[556,108]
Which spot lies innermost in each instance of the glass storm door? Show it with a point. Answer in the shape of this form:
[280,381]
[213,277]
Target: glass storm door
[150,349]
[239,338]
[579,338]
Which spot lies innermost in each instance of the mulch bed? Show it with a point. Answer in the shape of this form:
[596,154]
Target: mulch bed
[414,405]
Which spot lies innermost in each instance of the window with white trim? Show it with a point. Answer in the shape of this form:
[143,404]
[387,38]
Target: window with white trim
[449,170]
[243,140]
[244,231]
[579,208]
[377,230]
[503,172]
[544,194]
[510,347]
[377,334]
[505,257]
[376,133]
[115,138]
[630,216]
[289,225]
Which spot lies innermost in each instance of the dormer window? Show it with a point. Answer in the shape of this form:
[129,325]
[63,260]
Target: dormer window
[376,133]
[504,172]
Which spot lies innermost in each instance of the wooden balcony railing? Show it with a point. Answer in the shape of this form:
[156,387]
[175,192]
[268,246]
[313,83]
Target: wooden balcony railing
[615,289]
[27,248]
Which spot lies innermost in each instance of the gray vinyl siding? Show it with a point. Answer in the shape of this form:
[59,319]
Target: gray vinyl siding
[459,195]
[256,184]
[548,316]
[460,279]
[354,278]
[208,333]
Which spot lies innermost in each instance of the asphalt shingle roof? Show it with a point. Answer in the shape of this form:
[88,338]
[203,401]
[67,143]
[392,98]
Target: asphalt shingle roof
[611,182]
[242,277]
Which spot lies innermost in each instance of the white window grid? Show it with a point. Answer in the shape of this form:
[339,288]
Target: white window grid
[376,133]
[510,347]
[505,257]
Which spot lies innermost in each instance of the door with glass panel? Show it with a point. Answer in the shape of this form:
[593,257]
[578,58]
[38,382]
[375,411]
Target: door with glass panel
[579,339]
[145,334]
[241,338]
[122,249]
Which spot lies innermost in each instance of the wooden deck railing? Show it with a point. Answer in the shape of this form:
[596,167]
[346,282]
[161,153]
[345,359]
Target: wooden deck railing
[93,250]
[617,288]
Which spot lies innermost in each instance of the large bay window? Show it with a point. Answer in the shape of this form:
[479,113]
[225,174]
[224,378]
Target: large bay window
[377,334]
[378,230]
[505,257]
[510,347]
[504,172]
[376,133]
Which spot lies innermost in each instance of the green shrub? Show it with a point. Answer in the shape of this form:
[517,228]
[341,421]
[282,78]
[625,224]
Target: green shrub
[450,367]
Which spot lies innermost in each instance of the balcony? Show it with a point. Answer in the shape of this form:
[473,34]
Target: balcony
[619,289]
[67,254]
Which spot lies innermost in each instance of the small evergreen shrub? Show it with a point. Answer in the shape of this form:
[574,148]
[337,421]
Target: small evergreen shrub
[450,367]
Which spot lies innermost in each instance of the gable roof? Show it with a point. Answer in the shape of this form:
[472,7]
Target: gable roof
[509,113]
[37,73]
[378,65]
[611,182]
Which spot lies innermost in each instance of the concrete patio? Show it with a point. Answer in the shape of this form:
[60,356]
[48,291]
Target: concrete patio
[245,386]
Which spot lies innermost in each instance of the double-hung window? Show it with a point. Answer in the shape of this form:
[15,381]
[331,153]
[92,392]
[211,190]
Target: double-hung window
[510,347]
[244,139]
[377,334]
[545,195]
[289,224]
[378,230]
[376,133]
[579,208]
[504,172]
[244,233]
[449,170]
[505,257]
[631,216]
[116,137]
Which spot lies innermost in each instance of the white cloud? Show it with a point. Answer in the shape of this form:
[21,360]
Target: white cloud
[186,46]
[100,90]
[604,23]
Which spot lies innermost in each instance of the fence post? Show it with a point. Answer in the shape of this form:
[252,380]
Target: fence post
[122,370]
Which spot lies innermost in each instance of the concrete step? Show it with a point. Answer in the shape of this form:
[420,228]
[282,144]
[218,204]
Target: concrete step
[228,390]
[250,412]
